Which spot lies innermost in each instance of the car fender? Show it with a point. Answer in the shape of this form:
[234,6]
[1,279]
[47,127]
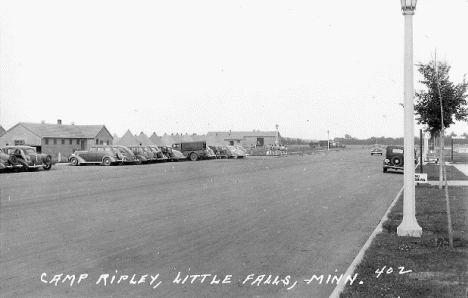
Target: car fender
[112,158]
[79,158]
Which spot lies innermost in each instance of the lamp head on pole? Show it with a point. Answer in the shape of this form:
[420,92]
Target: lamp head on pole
[408,6]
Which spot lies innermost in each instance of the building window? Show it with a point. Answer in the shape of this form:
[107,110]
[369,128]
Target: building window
[97,141]
[238,141]
[19,142]
[46,141]
[71,141]
[63,141]
[77,141]
[55,141]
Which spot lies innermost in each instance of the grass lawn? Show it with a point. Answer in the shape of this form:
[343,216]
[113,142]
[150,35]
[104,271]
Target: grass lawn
[396,266]
[432,171]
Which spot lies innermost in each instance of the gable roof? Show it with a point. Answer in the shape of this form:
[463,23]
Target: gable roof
[128,139]
[46,130]
[2,130]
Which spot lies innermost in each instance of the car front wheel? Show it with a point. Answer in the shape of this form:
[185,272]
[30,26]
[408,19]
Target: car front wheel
[74,161]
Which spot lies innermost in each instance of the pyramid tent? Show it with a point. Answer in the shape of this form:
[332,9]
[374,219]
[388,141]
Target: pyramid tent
[187,138]
[177,138]
[144,140]
[155,139]
[128,139]
[167,140]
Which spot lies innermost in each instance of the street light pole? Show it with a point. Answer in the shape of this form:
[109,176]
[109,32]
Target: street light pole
[409,225]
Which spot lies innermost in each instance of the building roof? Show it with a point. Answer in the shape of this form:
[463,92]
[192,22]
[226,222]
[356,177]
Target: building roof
[46,130]
[2,130]
[128,139]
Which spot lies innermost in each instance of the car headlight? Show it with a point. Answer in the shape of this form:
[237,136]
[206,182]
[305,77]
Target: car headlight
[387,160]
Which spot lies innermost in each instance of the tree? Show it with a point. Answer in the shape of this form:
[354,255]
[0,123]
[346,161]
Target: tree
[437,107]
[454,98]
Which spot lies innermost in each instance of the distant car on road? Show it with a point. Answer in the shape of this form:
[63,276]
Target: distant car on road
[98,154]
[394,158]
[27,158]
[377,149]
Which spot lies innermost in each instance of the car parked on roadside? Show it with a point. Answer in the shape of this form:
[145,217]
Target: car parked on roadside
[167,151]
[27,158]
[394,158]
[98,154]
[7,161]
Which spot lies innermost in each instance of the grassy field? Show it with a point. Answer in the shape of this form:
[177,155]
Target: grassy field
[432,171]
[397,266]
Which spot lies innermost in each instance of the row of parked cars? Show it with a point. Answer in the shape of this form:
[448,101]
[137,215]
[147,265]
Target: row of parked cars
[26,158]
[17,158]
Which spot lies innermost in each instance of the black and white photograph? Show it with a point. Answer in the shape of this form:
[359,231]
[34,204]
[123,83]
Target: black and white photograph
[234,149]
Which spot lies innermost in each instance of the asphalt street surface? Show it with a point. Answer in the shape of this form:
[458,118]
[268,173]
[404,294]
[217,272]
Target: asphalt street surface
[252,227]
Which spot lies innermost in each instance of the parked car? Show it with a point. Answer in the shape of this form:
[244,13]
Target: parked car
[159,155]
[7,162]
[231,151]
[192,150]
[210,153]
[27,158]
[376,149]
[98,154]
[142,154]
[394,158]
[240,152]
[177,155]
[218,151]
[245,150]
[128,155]
[168,153]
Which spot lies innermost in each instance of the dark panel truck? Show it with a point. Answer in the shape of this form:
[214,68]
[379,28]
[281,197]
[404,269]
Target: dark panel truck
[192,150]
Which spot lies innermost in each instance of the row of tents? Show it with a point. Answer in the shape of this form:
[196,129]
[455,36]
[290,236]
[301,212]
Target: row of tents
[129,139]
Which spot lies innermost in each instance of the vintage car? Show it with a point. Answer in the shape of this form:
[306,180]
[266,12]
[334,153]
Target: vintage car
[167,151]
[218,151]
[245,151]
[210,154]
[230,151]
[178,155]
[376,149]
[241,152]
[98,154]
[159,155]
[128,156]
[143,154]
[7,162]
[394,158]
[27,158]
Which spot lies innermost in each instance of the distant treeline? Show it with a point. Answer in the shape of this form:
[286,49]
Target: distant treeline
[347,140]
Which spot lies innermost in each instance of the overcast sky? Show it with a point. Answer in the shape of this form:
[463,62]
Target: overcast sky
[199,66]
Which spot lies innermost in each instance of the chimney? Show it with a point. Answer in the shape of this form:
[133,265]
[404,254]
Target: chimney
[59,121]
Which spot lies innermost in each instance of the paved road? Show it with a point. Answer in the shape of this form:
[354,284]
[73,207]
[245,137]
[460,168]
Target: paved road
[289,217]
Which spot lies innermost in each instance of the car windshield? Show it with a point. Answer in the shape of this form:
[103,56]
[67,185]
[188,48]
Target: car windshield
[29,151]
